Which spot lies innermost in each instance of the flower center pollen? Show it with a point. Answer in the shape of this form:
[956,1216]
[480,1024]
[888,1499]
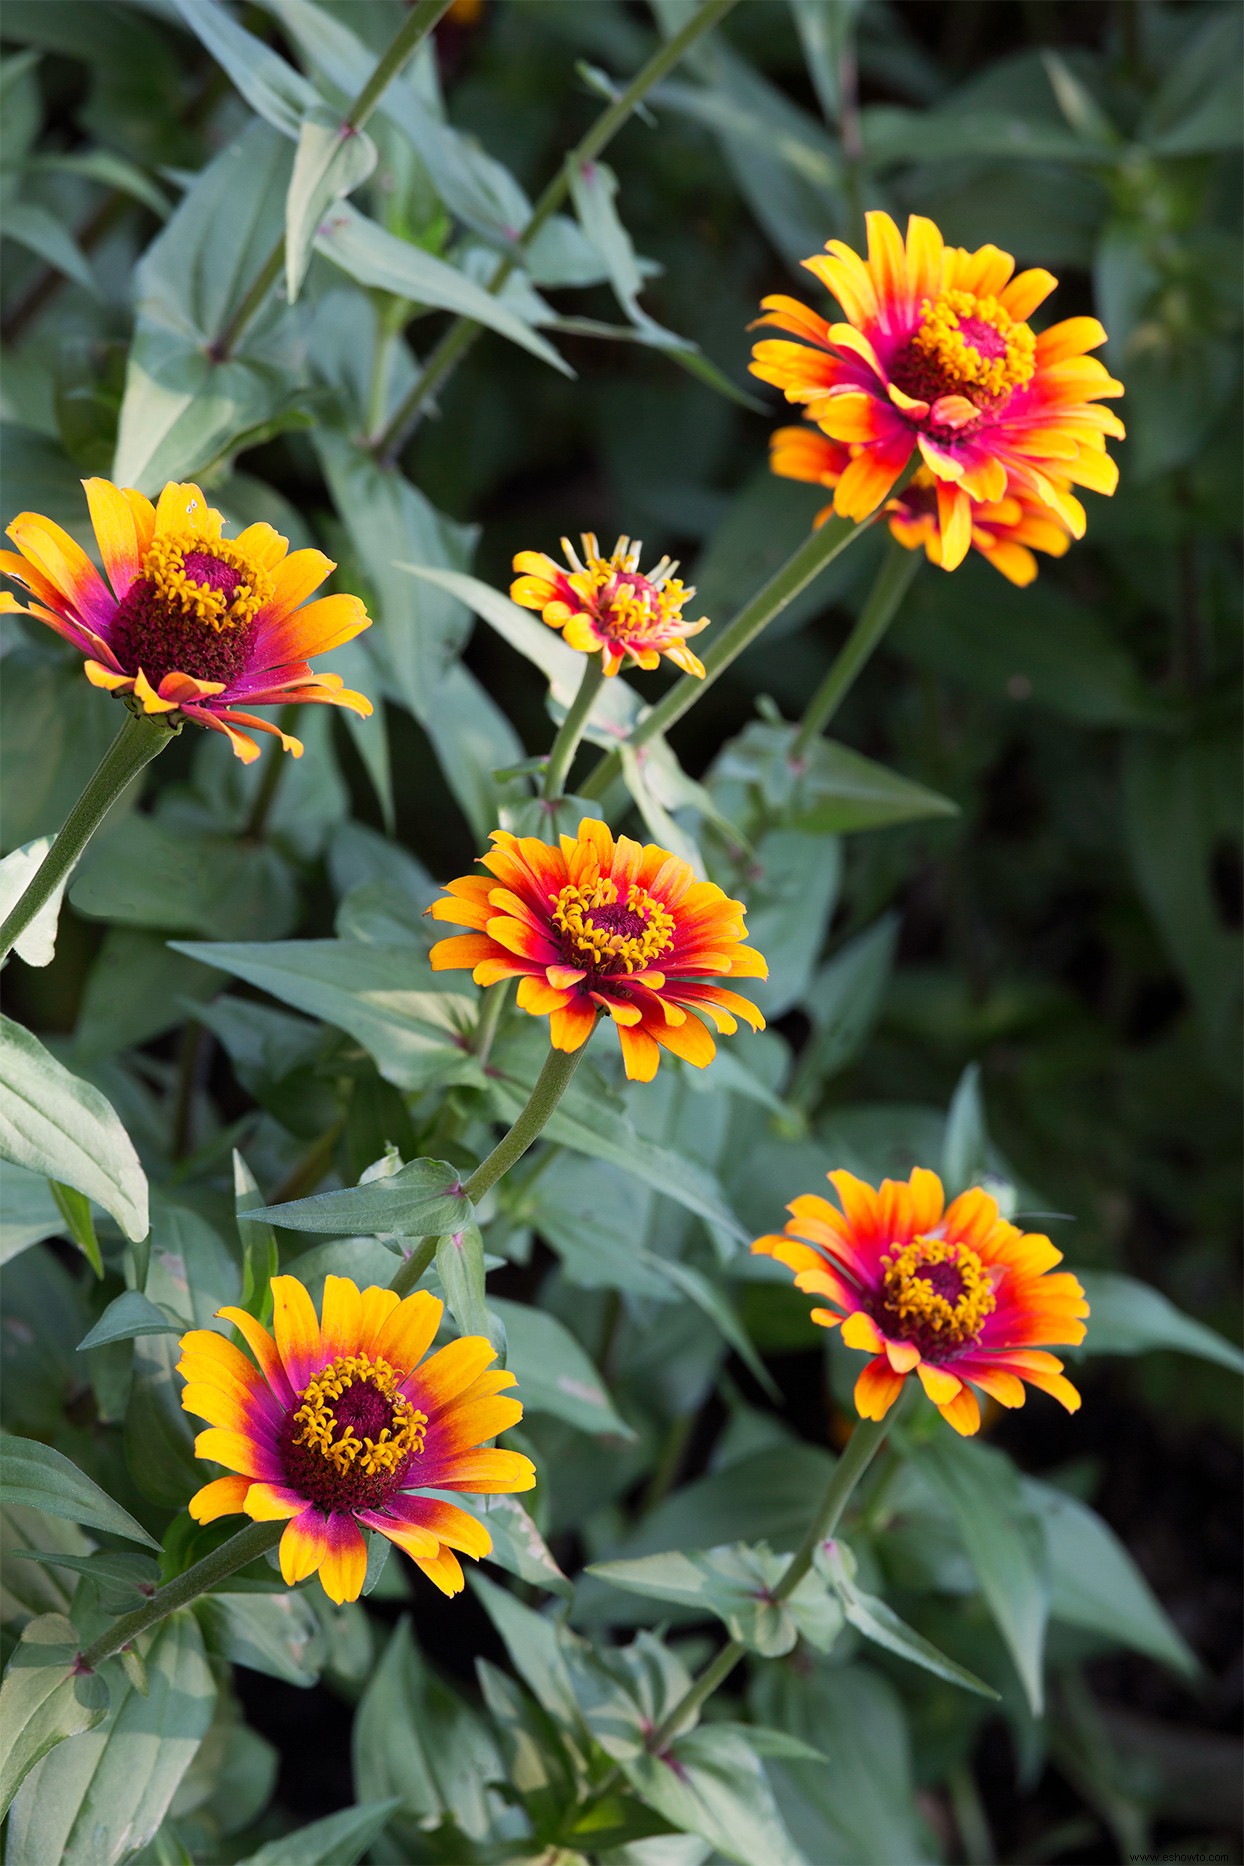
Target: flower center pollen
[935,1294]
[611,934]
[966,346]
[190,610]
[347,1444]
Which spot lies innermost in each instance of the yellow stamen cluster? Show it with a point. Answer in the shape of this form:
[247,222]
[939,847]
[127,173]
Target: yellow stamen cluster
[650,603]
[341,1445]
[914,1305]
[944,346]
[626,937]
[164,568]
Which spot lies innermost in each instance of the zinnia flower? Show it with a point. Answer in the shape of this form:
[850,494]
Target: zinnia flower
[937,354]
[195,624]
[953,1294]
[591,925]
[344,1424]
[606,605]
[1005,531]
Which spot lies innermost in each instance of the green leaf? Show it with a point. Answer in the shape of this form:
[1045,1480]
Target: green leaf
[75,1208]
[422,1199]
[260,1257]
[36,945]
[391,524]
[554,1372]
[583,1121]
[44,1479]
[272,88]
[859,1812]
[99,1799]
[1003,1543]
[28,1212]
[41,233]
[337,1840]
[460,1266]
[736,1583]
[278,1634]
[843,1001]
[791,896]
[110,170]
[185,406]
[331,161]
[517,1545]
[712,1782]
[1129,1317]
[708,1296]
[125,1317]
[54,1123]
[372,256]
[877,1621]
[152,872]
[594,188]
[965,1150]
[1094,1583]
[417,1742]
[386,997]
[44,1699]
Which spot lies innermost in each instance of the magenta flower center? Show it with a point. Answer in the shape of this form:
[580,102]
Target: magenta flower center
[351,1440]
[191,610]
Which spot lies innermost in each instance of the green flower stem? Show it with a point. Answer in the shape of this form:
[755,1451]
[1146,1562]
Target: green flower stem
[423,17]
[410,1275]
[238,1552]
[862,1447]
[800,569]
[566,744]
[894,579]
[140,739]
[550,1086]
[269,780]
[402,47]
[462,334]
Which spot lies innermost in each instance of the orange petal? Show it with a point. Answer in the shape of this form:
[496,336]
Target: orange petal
[877,1389]
[408,1333]
[963,1413]
[224,1496]
[304,1545]
[297,1331]
[342,1310]
[112,517]
[343,1565]
[445,1570]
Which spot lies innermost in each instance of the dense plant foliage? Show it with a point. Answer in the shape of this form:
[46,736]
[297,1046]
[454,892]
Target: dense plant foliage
[421,297]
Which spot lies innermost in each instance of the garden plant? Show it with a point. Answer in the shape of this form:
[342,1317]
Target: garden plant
[619,1158]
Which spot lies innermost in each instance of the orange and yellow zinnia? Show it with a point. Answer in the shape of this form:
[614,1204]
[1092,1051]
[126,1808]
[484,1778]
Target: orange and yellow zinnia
[196,625]
[590,924]
[954,1294]
[343,1425]
[1005,531]
[607,606]
[936,354]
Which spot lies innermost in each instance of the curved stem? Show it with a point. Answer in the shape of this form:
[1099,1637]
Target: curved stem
[551,1084]
[894,579]
[862,1447]
[139,740]
[800,568]
[462,334]
[549,1087]
[422,18]
[238,1552]
[566,744]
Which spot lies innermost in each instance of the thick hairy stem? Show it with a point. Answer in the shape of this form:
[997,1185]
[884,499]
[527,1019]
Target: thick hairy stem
[238,1552]
[140,739]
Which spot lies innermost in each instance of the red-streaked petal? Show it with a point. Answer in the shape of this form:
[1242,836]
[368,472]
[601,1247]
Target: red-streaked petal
[343,1565]
[273,1503]
[113,519]
[304,1545]
[264,1348]
[877,1389]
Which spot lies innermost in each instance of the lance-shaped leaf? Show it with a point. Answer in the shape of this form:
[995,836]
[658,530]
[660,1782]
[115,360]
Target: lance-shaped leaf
[59,1125]
[877,1621]
[422,1199]
[736,1584]
[338,1840]
[44,1479]
[44,1698]
[331,159]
